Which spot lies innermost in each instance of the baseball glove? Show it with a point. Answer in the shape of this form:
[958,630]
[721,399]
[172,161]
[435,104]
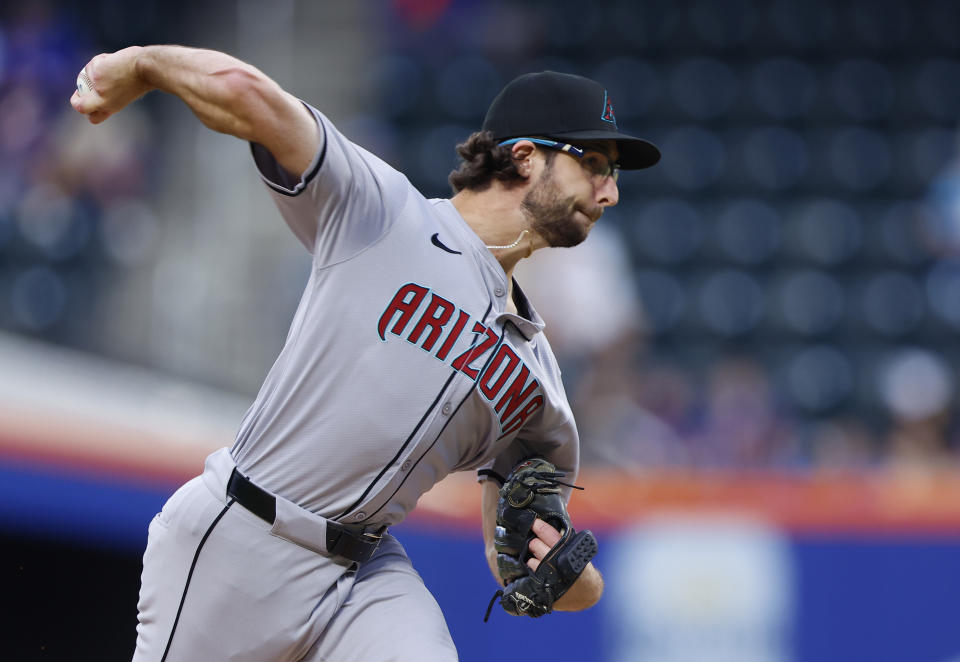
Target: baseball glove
[531,491]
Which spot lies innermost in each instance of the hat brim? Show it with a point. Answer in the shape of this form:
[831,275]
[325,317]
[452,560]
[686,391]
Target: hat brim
[635,153]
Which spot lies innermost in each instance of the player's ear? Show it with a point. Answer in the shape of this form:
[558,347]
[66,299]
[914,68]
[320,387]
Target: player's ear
[522,153]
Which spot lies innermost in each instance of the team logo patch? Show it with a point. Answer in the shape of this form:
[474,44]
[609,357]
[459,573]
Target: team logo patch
[608,115]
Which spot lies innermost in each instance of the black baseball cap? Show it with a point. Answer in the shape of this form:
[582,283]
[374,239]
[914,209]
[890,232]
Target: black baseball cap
[564,107]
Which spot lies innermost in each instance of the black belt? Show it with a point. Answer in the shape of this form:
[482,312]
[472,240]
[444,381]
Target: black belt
[341,541]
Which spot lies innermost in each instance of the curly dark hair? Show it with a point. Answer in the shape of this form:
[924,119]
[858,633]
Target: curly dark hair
[483,161]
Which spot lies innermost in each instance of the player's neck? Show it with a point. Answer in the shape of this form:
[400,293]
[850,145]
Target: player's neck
[495,215]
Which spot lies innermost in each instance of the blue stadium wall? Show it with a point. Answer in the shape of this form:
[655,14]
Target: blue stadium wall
[72,540]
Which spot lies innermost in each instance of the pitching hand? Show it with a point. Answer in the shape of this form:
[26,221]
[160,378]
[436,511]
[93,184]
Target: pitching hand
[115,84]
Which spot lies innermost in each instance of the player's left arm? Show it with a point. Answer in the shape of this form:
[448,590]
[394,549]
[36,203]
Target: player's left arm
[584,593]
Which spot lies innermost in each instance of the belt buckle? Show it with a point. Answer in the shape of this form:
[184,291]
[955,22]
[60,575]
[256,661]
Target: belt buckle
[373,538]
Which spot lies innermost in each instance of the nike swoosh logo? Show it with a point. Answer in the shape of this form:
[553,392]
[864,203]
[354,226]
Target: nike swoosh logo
[435,240]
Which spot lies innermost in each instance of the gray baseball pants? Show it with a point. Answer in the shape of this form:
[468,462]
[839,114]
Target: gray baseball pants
[219,583]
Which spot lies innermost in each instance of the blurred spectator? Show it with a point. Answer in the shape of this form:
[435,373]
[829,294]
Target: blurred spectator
[585,294]
[917,445]
[742,424]
[842,444]
[615,426]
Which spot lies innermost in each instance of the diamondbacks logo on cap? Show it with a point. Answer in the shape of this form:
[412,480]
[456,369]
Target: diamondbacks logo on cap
[608,115]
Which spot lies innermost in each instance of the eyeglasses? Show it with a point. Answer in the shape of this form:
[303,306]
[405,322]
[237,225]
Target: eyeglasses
[599,165]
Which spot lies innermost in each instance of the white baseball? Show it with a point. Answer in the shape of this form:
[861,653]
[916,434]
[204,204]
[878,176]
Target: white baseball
[84,84]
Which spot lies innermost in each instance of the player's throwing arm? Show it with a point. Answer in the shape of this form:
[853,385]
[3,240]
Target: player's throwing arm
[226,94]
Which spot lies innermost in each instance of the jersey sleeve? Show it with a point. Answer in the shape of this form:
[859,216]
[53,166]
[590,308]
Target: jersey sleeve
[345,200]
[562,449]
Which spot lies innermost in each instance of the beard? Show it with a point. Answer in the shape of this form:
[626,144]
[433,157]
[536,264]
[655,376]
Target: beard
[553,216]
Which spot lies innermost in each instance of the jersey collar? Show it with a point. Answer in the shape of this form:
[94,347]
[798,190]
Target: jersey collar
[527,320]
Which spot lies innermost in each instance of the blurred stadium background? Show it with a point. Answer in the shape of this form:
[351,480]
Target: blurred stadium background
[759,341]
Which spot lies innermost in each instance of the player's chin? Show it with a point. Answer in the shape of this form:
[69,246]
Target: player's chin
[573,234]
[586,219]
[592,213]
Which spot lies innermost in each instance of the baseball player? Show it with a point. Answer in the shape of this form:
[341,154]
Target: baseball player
[413,354]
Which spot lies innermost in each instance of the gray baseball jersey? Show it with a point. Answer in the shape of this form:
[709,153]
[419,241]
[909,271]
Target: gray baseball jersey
[401,365]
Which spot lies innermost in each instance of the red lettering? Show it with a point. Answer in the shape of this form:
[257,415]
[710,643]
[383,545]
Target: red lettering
[517,422]
[432,319]
[405,302]
[452,338]
[516,393]
[512,360]
[462,362]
